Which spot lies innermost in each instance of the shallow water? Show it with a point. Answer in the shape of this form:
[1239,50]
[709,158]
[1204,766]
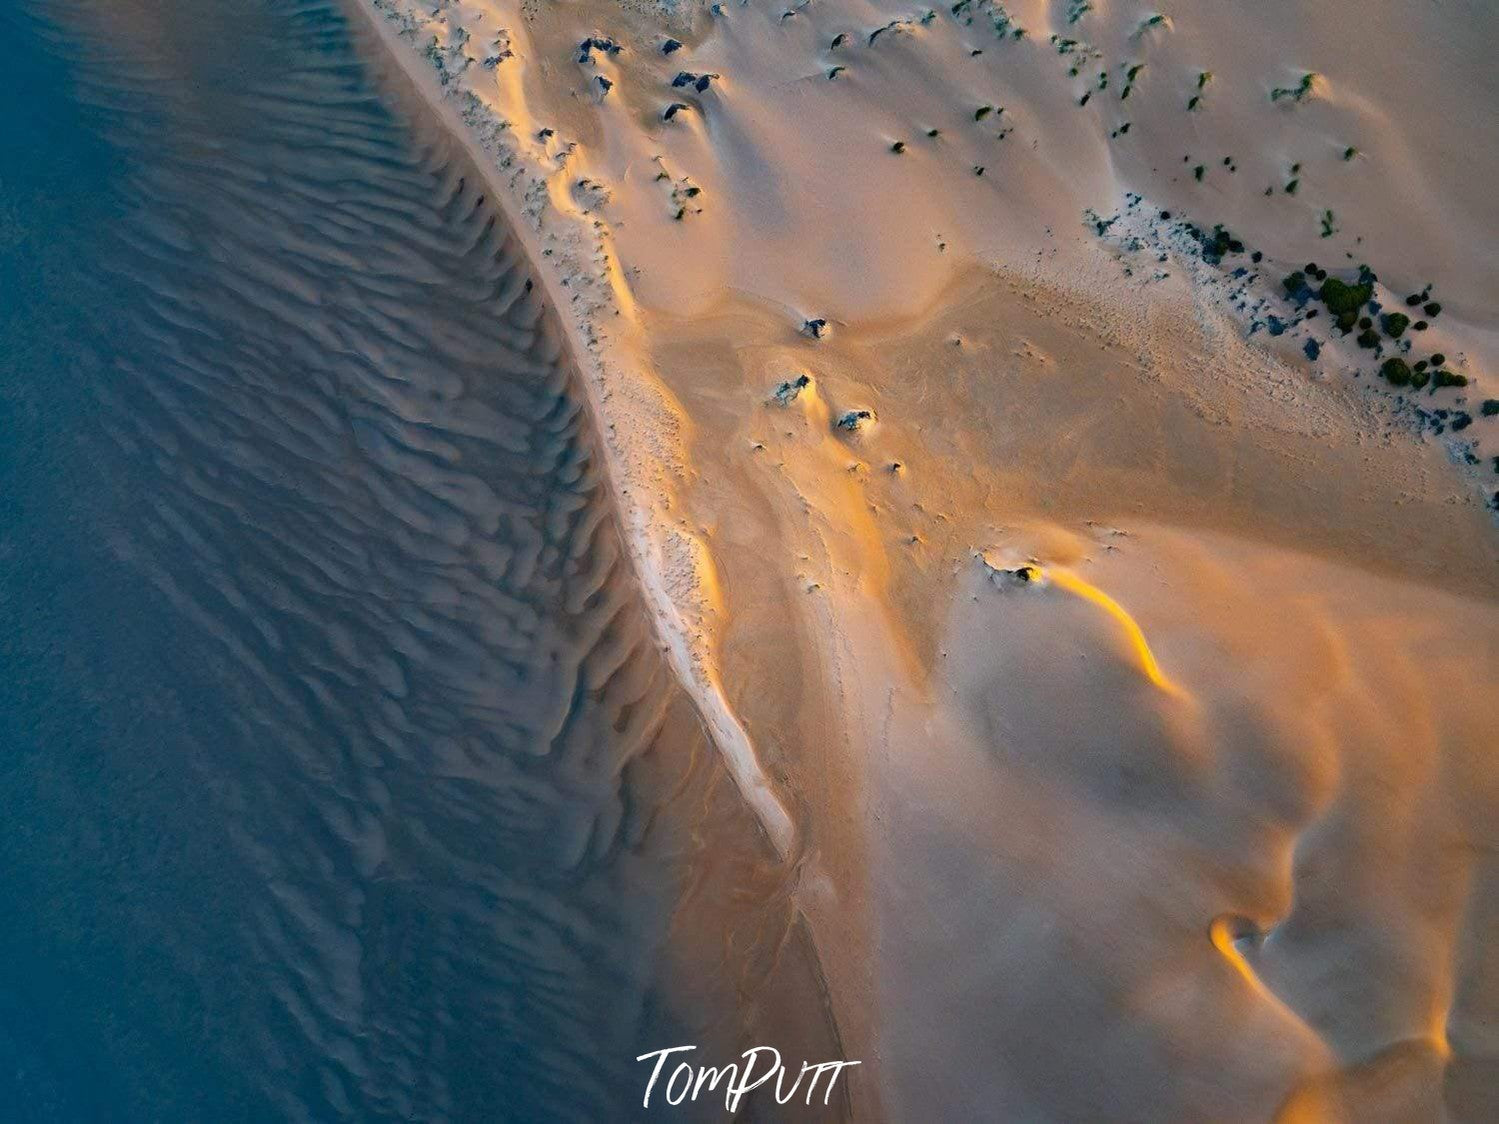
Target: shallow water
[341,773]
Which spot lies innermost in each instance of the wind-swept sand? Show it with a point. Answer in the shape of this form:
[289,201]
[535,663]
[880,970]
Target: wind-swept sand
[879,303]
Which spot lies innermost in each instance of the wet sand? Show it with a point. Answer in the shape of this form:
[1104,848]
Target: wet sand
[348,777]
[842,532]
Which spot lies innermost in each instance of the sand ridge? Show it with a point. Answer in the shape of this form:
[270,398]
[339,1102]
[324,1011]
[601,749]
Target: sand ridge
[1007,243]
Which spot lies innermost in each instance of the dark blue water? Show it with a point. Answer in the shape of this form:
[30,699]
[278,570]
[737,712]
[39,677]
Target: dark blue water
[340,776]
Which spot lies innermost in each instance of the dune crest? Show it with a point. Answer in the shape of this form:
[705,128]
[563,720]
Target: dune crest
[1140,299]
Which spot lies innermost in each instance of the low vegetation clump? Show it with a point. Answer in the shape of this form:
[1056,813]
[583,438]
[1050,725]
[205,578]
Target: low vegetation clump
[699,82]
[1153,21]
[1351,304]
[1298,92]
[1216,243]
[1341,297]
[1490,407]
[1396,372]
[597,43]
[788,391]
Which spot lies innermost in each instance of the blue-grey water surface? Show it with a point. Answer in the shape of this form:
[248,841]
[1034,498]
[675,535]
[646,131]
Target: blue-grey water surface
[340,774]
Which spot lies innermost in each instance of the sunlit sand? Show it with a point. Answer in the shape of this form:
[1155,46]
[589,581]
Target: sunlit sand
[1103,600]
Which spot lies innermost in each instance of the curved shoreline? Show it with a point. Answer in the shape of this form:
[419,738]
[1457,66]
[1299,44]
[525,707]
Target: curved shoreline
[582,326]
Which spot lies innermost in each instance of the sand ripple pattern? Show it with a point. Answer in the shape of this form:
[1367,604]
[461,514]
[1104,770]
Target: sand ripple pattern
[366,490]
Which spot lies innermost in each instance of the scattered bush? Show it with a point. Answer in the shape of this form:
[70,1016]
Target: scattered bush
[1396,372]
[1297,92]
[1340,297]
[1394,324]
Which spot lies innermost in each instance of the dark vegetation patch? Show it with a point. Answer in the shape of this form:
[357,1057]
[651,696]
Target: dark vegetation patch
[1351,304]
[597,43]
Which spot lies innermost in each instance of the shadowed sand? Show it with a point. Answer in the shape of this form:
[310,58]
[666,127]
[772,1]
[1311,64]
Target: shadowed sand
[1195,823]
[1113,671]
[399,812]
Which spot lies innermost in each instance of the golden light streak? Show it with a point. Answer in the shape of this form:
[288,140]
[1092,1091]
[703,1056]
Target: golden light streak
[1066,579]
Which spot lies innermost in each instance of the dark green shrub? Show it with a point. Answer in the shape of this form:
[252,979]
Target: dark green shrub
[1444,377]
[1341,297]
[1394,323]
[1396,371]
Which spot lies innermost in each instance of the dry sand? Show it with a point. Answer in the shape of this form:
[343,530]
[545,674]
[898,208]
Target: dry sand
[1198,823]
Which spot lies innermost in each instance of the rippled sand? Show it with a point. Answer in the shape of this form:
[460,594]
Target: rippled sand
[449,839]
[601,526]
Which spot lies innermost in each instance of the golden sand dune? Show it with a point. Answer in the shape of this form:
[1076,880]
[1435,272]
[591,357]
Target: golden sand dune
[1107,638]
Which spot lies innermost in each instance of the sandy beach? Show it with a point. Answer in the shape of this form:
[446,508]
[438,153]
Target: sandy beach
[961,539]
[1106,634]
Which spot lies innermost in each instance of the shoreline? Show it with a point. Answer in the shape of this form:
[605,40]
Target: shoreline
[803,509]
[627,473]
